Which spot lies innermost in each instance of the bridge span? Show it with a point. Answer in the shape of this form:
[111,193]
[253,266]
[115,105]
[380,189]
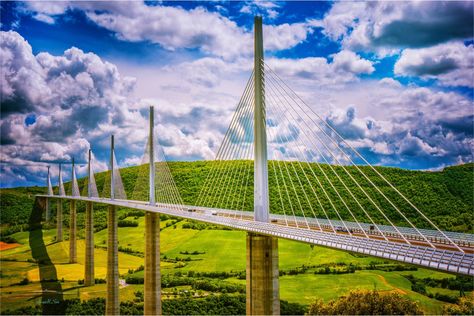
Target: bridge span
[443,258]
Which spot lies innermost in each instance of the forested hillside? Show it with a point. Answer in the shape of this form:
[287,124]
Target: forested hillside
[446,196]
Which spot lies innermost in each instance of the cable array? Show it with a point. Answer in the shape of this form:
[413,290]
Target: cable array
[90,185]
[317,179]
[166,191]
[119,189]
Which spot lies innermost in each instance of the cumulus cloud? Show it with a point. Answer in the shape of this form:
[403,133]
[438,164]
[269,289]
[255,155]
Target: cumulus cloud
[268,9]
[76,100]
[452,64]
[345,67]
[401,124]
[71,97]
[177,28]
[392,25]
[22,78]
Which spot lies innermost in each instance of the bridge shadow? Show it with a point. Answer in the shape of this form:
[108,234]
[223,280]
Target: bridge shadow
[52,292]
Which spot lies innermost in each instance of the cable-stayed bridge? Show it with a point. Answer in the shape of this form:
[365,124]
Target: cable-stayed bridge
[282,171]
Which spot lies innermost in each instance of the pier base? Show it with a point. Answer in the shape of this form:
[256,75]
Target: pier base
[112,306]
[89,277]
[72,232]
[152,265]
[263,293]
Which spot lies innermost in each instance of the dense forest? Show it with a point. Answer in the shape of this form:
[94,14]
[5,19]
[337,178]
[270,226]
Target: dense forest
[444,196]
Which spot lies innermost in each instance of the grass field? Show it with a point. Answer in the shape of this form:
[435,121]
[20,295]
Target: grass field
[220,250]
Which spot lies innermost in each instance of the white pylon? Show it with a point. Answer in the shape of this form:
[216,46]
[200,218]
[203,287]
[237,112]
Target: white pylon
[261,198]
[152,158]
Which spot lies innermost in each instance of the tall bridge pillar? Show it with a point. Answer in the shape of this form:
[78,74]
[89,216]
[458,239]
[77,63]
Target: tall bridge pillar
[112,306]
[263,292]
[89,277]
[72,232]
[263,296]
[47,215]
[59,220]
[152,265]
[152,240]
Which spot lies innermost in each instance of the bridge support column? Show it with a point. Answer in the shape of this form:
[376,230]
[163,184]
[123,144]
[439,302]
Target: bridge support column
[152,265]
[112,306]
[59,220]
[72,232]
[47,215]
[89,277]
[263,296]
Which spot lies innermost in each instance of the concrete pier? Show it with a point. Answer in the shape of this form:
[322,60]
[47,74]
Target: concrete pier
[59,220]
[72,232]
[263,296]
[112,306]
[152,265]
[47,215]
[89,276]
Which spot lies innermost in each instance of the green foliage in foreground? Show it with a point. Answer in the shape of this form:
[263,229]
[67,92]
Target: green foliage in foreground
[366,303]
[444,196]
[210,305]
[465,306]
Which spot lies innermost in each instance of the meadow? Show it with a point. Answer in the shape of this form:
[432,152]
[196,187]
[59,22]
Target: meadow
[218,251]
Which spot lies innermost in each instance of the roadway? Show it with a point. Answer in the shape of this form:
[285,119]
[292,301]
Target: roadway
[443,257]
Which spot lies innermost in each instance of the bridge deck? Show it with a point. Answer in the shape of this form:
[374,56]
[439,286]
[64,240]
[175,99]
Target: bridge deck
[439,259]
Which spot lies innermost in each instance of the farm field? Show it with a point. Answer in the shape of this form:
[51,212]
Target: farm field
[218,251]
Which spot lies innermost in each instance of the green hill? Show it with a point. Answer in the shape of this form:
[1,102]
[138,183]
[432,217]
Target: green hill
[446,196]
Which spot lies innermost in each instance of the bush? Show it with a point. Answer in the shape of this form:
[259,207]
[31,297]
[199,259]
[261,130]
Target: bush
[287,308]
[465,306]
[364,302]
[9,240]
[127,223]
[25,281]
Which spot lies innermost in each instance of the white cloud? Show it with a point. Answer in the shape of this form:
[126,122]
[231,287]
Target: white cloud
[177,28]
[345,67]
[72,97]
[452,64]
[269,9]
[388,26]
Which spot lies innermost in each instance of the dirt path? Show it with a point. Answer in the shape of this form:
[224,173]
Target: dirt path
[384,281]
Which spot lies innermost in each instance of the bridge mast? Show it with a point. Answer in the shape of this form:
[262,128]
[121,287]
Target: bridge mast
[112,180]
[263,297]
[152,157]
[261,204]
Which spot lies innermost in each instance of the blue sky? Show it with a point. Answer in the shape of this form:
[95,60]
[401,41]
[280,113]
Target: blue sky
[395,78]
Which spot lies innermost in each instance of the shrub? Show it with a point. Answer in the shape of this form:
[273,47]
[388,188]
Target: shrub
[465,306]
[364,302]
[127,223]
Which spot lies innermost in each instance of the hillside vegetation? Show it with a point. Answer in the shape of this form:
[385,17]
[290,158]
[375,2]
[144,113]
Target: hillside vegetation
[446,196]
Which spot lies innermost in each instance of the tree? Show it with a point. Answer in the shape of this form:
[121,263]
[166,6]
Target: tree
[363,302]
[465,306]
